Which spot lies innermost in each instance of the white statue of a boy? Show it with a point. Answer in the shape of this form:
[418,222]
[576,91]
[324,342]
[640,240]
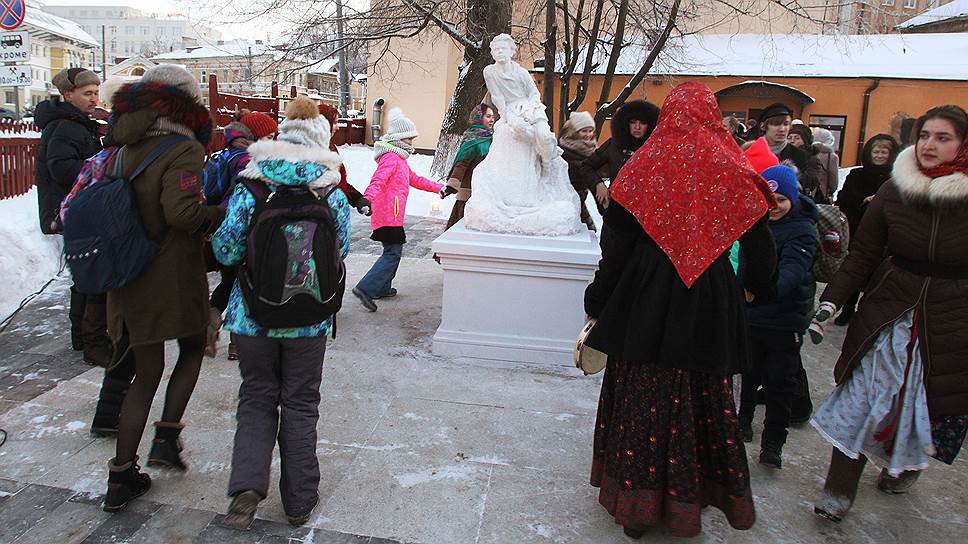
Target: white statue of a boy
[522,185]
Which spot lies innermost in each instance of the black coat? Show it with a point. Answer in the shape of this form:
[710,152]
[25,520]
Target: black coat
[796,245]
[795,155]
[647,314]
[69,138]
[612,155]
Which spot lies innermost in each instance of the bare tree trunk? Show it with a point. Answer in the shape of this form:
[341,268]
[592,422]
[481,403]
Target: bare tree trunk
[548,79]
[344,72]
[617,45]
[589,65]
[485,19]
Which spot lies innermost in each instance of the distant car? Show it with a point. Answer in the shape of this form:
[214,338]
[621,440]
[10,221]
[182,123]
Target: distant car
[7,114]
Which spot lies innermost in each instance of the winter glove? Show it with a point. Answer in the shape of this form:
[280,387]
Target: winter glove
[211,332]
[816,329]
[363,206]
[450,188]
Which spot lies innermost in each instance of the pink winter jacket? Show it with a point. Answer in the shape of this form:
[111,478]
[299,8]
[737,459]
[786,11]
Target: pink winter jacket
[389,188]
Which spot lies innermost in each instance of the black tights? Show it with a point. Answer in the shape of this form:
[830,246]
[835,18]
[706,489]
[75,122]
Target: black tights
[150,364]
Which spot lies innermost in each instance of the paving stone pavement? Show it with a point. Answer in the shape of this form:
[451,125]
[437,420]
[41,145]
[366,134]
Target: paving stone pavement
[413,447]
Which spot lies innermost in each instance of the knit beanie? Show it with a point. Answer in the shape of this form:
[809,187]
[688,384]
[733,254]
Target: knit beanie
[581,120]
[783,179]
[260,124]
[760,156]
[72,78]
[176,76]
[303,124]
[824,136]
[399,126]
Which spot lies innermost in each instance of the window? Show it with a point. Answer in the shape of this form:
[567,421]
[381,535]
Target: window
[114,45]
[888,2]
[836,124]
[910,4]
[204,76]
[114,29]
[10,98]
[129,30]
[145,30]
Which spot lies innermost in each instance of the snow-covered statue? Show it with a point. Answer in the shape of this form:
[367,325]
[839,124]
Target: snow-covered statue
[522,185]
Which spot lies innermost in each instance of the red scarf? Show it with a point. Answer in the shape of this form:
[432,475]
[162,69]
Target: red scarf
[958,164]
[690,187]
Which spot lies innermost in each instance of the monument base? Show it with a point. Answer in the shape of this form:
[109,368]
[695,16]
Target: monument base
[513,297]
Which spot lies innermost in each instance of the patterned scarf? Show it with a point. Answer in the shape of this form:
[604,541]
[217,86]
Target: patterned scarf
[476,141]
[689,186]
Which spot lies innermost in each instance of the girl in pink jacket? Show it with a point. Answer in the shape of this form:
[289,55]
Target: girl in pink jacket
[387,194]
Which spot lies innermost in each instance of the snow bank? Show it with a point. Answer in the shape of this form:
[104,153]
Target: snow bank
[29,258]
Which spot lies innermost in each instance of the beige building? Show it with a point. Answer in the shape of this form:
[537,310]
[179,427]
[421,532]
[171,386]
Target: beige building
[950,17]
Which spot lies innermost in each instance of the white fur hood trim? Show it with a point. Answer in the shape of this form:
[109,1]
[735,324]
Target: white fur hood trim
[942,192]
[274,149]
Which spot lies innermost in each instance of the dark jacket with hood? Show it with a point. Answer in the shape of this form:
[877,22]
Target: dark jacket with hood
[864,182]
[612,155]
[921,223]
[170,299]
[796,244]
[69,138]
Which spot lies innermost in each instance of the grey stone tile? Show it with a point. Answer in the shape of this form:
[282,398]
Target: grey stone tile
[27,507]
[121,526]
[7,405]
[322,536]
[226,535]
[172,525]
[69,523]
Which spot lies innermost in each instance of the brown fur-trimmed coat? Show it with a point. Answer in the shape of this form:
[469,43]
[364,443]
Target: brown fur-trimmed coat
[925,221]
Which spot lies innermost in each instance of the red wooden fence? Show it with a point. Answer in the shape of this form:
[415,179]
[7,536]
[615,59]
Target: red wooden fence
[17,165]
[17,127]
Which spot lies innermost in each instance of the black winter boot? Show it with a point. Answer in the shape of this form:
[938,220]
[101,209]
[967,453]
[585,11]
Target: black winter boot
[113,389]
[771,454]
[167,447]
[97,346]
[76,315]
[125,483]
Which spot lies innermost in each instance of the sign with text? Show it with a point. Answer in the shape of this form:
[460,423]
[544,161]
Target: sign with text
[12,13]
[16,76]
[14,46]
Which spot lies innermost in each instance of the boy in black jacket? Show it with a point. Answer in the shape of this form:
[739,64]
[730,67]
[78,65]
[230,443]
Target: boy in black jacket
[777,326]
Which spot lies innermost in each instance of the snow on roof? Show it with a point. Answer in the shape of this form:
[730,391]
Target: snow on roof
[760,82]
[899,56]
[230,48]
[324,66]
[59,26]
[951,10]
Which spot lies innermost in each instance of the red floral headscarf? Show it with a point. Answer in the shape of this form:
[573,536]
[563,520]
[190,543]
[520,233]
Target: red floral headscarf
[690,186]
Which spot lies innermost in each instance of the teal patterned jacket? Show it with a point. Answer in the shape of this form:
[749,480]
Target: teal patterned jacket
[229,241]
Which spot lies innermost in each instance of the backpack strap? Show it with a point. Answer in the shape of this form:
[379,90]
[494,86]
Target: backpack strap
[258,189]
[166,144]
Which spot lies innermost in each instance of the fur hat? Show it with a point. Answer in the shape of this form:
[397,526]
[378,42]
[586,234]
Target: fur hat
[783,179]
[760,156]
[72,78]
[638,110]
[176,76]
[259,123]
[303,124]
[399,126]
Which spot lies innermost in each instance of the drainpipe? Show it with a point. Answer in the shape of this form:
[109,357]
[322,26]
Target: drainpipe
[375,127]
[863,117]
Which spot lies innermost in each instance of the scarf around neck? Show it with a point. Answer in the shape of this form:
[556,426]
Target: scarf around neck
[583,147]
[958,164]
[382,147]
[689,186]
[778,148]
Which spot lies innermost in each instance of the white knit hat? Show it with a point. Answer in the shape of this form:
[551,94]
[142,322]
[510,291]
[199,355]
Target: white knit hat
[304,125]
[581,120]
[176,76]
[823,136]
[399,126]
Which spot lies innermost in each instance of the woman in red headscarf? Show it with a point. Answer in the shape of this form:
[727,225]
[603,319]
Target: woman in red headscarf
[902,376]
[670,317]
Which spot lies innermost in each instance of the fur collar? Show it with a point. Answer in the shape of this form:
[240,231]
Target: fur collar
[945,193]
[163,100]
[267,154]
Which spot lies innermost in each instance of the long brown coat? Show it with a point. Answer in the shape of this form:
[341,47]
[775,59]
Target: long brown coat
[912,219]
[170,299]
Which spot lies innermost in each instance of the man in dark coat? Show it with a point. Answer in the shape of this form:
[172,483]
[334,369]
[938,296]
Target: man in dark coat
[69,137]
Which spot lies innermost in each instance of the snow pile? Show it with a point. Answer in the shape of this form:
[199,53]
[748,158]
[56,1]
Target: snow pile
[27,134]
[29,258]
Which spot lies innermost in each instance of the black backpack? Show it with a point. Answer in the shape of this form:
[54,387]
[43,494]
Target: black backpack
[293,275]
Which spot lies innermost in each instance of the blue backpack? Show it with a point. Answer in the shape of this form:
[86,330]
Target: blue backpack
[216,178]
[105,242]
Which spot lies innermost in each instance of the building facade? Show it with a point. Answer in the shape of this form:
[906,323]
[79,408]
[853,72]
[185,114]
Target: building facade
[883,16]
[128,31]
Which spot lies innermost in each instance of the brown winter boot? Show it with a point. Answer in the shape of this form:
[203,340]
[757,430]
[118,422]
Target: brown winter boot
[125,483]
[167,447]
[897,485]
[840,490]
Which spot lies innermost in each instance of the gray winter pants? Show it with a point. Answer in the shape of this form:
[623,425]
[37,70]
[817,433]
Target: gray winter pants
[279,398]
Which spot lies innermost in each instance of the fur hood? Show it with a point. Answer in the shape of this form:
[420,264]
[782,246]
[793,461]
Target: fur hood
[646,112]
[945,193]
[136,107]
[286,163]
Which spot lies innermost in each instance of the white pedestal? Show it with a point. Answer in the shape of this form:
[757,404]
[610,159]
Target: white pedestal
[513,297]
